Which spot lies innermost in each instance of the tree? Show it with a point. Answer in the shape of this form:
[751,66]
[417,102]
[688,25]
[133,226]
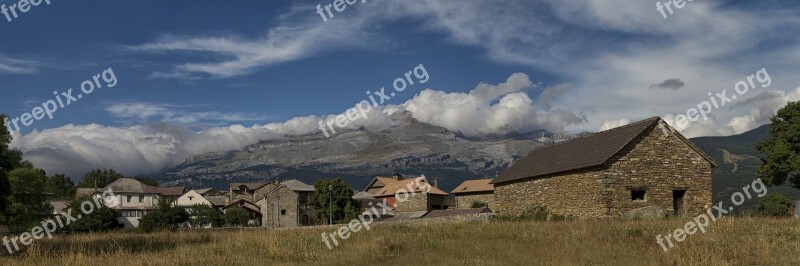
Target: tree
[61,186]
[10,159]
[99,178]
[100,220]
[345,208]
[236,216]
[782,150]
[776,205]
[203,214]
[165,217]
[147,181]
[28,200]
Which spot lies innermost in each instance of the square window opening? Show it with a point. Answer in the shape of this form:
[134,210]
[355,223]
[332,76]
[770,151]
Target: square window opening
[638,195]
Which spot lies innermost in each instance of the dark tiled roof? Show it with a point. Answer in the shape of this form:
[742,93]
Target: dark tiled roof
[580,153]
[171,191]
[458,212]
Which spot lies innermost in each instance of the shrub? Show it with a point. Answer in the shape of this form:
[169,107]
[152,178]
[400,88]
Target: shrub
[478,204]
[203,215]
[236,216]
[775,205]
[165,217]
[101,219]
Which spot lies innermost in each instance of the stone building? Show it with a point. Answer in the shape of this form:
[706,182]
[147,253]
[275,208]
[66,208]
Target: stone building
[286,204]
[406,195]
[472,192]
[609,173]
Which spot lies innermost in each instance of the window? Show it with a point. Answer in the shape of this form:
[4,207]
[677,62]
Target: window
[283,212]
[638,195]
[128,199]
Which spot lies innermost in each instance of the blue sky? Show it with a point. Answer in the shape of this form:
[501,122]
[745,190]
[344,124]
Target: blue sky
[72,41]
[203,76]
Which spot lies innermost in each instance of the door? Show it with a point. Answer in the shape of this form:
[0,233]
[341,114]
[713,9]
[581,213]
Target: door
[677,202]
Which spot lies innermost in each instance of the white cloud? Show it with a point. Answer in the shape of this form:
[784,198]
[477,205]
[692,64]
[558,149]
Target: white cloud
[17,66]
[614,123]
[140,112]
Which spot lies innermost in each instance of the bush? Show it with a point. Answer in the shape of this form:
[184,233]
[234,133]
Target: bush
[203,215]
[236,216]
[165,217]
[776,205]
[101,219]
[478,204]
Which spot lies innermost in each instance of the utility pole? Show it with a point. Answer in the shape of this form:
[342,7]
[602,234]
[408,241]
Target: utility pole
[330,204]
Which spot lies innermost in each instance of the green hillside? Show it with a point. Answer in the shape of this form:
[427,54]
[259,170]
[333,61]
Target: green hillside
[738,160]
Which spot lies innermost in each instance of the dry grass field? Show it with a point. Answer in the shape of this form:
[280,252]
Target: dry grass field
[730,241]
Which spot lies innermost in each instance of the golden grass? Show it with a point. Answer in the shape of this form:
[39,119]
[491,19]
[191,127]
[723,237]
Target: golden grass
[729,241]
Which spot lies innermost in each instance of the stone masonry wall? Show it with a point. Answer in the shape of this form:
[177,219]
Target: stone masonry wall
[415,202]
[659,163]
[576,194]
[465,200]
[283,199]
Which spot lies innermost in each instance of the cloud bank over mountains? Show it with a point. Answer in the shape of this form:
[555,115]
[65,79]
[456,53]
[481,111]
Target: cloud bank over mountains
[163,138]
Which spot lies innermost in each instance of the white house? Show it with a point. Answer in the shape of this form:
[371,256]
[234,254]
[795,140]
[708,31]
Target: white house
[135,199]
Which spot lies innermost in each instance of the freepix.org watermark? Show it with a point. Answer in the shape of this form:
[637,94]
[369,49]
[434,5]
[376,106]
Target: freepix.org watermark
[667,7]
[23,6]
[61,101]
[338,5]
[360,111]
[701,221]
[368,217]
[718,100]
[52,225]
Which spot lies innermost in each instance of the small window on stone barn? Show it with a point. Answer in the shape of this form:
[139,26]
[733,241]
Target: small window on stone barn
[638,194]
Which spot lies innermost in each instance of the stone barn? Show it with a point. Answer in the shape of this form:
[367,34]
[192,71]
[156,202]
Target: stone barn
[609,173]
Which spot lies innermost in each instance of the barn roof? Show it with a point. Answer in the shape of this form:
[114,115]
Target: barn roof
[580,153]
[471,186]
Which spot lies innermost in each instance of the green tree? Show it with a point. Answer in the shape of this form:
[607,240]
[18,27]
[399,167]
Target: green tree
[147,180]
[100,220]
[203,214]
[61,186]
[236,216]
[782,150]
[344,207]
[10,159]
[776,205]
[165,217]
[99,178]
[28,200]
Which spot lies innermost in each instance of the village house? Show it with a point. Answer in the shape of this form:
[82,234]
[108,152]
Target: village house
[609,174]
[207,196]
[286,204]
[474,194]
[406,195]
[136,199]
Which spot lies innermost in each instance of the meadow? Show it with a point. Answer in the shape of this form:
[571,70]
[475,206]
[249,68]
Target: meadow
[729,241]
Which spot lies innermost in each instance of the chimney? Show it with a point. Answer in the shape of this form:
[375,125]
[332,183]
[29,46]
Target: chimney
[436,182]
[398,176]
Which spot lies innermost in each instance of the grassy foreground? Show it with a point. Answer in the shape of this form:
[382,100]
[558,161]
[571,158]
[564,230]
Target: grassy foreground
[736,241]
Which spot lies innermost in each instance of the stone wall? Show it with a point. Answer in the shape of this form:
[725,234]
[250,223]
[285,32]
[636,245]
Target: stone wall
[465,200]
[281,209]
[576,194]
[413,203]
[659,162]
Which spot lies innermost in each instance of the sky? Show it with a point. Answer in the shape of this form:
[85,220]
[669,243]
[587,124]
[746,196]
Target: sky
[182,78]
